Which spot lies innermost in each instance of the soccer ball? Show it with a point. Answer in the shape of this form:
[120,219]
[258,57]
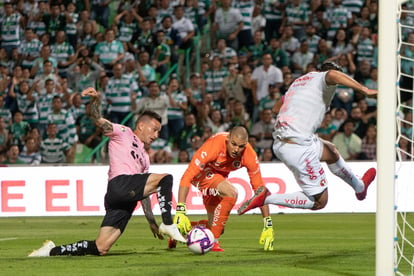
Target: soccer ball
[200,240]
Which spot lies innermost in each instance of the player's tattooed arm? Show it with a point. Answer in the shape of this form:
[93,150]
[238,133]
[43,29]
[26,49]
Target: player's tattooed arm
[149,215]
[95,110]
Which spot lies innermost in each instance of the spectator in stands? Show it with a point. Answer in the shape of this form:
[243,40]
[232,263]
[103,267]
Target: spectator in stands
[127,23]
[301,58]
[63,52]
[246,71]
[54,149]
[364,46]
[213,79]
[84,73]
[236,115]
[256,49]
[341,44]
[261,78]
[176,108]
[232,85]
[47,74]
[30,154]
[75,106]
[194,93]
[360,126]
[297,15]
[120,91]
[147,72]
[188,132]
[171,34]
[65,124]
[339,116]
[37,68]
[156,102]
[4,135]
[84,19]
[87,36]
[323,53]
[228,22]
[270,100]
[267,155]
[273,13]
[405,150]
[336,17]
[407,125]
[216,122]
[12,156]
[18,129]
[5,112]
[72,18]
[109,52]
[227,54]
[263,129]
[29,48]
[347,142]
[162,157]
[144,40]
[280,57]
[287,81]
[162,55]
[327,130]
[10,29]
[288,42]
[311,37]
[245,37]
[55,20]
[369,144]
[183,157]
[26,101]
[100,11]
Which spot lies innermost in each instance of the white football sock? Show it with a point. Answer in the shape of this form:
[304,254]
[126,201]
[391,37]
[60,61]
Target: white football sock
[293,200]
[343,171]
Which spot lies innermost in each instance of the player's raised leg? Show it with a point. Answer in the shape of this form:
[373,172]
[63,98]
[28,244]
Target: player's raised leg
[340,168]
[162,184]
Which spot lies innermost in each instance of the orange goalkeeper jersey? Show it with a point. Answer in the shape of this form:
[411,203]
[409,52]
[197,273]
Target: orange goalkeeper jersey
[212,155]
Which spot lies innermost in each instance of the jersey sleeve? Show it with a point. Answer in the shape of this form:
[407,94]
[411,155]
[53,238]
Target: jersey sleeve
[206,153]
[251,162]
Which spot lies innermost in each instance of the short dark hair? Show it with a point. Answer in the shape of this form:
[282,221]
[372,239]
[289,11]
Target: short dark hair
[151,114]
[330,65]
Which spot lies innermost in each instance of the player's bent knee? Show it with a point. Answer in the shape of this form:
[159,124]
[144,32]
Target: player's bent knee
[320,200]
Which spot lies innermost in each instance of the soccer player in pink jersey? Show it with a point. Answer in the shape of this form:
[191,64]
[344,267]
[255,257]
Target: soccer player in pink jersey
[296,144]
[129,182]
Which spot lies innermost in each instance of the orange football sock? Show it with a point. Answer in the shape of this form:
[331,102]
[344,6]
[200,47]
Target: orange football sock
[221,214]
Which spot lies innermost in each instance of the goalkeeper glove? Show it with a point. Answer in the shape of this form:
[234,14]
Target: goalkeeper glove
[182,221]
[267,236]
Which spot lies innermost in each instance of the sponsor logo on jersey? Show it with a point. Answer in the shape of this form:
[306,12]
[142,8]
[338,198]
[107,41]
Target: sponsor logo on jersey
[237,164]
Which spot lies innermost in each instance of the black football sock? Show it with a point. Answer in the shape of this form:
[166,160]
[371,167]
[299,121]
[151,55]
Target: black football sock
[79,248]
[164,193]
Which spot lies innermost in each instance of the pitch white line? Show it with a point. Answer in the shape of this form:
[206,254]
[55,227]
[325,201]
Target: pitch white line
[8,239]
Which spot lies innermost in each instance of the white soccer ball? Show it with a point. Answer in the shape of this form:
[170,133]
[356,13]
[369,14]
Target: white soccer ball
[200,240]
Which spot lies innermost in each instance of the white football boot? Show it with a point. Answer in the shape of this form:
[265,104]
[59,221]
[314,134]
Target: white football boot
[172,231]
[44,250]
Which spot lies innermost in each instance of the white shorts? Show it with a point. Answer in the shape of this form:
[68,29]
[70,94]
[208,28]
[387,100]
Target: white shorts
[304,161]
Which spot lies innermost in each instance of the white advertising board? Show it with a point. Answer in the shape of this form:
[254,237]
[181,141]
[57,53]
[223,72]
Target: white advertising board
[80,190]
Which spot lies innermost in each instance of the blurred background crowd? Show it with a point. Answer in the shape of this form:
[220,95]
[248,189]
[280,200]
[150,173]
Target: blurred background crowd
[203,65]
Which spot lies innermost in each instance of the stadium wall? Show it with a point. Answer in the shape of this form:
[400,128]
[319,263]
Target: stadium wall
[79,190]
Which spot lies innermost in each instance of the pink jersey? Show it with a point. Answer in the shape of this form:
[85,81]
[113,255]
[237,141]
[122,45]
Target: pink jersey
[127,154]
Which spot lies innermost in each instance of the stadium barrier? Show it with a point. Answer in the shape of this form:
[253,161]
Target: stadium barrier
[79,190]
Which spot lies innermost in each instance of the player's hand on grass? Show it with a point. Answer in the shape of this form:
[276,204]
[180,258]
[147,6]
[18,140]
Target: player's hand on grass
[267,236]
[181,220]
[155,231]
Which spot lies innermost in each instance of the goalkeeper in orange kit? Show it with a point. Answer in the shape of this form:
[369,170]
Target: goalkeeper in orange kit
[208,171]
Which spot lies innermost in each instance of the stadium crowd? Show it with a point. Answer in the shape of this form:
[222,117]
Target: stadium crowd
[251,51]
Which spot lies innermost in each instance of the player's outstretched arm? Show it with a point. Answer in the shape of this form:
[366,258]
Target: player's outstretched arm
[149,215]
[334,77]
[96,116]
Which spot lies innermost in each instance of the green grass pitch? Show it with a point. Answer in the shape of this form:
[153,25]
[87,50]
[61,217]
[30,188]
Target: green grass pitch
[306,244]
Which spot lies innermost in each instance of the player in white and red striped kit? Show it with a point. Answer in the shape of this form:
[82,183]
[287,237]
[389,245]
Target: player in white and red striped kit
[296,144]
